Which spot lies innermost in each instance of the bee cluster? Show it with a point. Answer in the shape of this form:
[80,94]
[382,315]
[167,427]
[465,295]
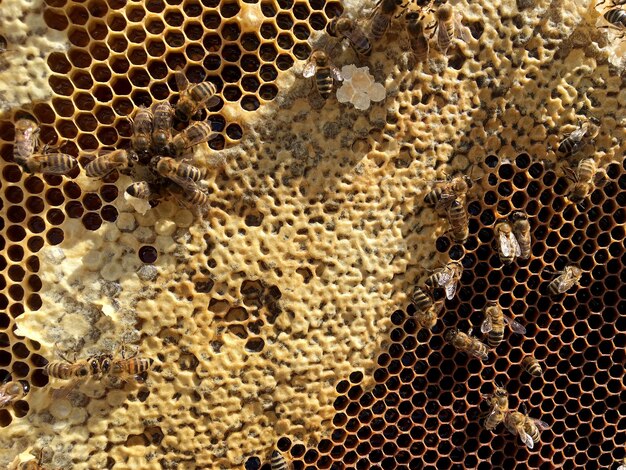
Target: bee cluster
[154,157]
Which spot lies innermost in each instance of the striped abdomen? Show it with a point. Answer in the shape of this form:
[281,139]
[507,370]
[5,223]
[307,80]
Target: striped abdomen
[380,24]
[278,462]
[421,299]
[57,164]
[65,370]
[132,366]
[457,216]
[496,334]
[616,17]
[531,365]
[324,81]
[433,197]
[140,189]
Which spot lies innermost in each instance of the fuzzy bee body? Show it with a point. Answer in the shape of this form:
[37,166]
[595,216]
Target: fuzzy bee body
[585,179]
[499,406]
[131,366]
[382,18]
[350,30]
[193,97]
[508,247]
[527,428]
[445,192]
[617,18]
[325,73]
[142,130]
[459,220]
[92,366]
[447,277]
[162,128]
[13,391]
[572,142]
[278,462]
[140,189]
[493,324]
[447,26]
[567,279]
[49,163]
[26,137]
[183,174]
[105,164]
[532,366]
[197,133]
[521,230]
[417,38]
[467,344]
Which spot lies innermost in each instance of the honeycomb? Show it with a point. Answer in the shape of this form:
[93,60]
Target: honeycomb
[283,318]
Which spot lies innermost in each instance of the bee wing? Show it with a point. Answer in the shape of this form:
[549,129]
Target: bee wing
[480,354]
[506,247]
[565,283]
[621,467]
[336,73]
[212,101]
[309,69]
[450,288]
[509,425]
[200,139]
[600,178]
[487,325]
[515,326]
[63,392]
[5,399]
[462,31]
[181,81]
[541,424]
[526,439]
[186,183]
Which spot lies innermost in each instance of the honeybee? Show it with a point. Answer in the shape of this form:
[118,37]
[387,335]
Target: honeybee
[532,366]
[183,174]
[142,129]
[33,464]
[48,163]
[141,190]
[447,277]
[428,318]
[197,133]
[468,344]
[567,279]
[26,137]
[458,220]
[193,97]
[585,179]
[278,462]
[527,428]
[623,465]
[12,391]
[417,38]
[193,197]
[493,324]
[105,164]
[572,142]
[508,247]
[326,74]
[381,17]
[162,129]
[521,230]
[447,26]
[617,18]
[95,366]
[350,30]
[132,366]
[446,191]
[499,406]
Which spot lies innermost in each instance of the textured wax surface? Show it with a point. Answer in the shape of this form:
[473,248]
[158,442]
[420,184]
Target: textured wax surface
[283,316]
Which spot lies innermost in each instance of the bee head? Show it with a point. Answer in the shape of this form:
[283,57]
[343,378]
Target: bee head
[451,334]
[105,364]
[94,364]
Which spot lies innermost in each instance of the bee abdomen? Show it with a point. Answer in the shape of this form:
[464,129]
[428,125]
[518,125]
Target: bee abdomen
[616,17]
[59,370]
[278,462]
[380,24]
[531,365]
[495,337]
[324,82]
[433,197]
[553,288]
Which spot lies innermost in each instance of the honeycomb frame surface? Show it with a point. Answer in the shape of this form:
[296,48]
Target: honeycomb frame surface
[283,318]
